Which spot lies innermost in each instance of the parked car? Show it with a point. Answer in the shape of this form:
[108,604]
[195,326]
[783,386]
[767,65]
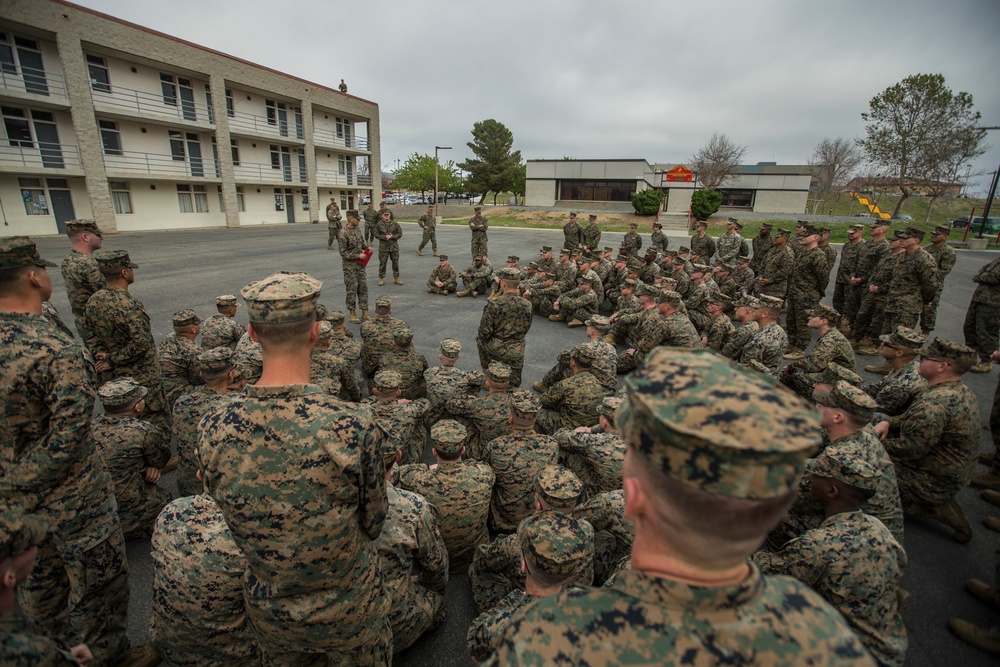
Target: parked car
[992,224]
[959,223]
[862,215]
[903,217]
[366,200]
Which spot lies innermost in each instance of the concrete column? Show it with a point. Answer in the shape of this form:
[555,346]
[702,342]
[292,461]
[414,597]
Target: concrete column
[222,139]
[375,159]
[315,205]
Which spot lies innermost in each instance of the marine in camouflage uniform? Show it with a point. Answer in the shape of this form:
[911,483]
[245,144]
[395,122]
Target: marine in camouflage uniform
[414,563]
[631,242]
[485,417]
[445,381]
[721,327]
[81,274]
[503,326]
[308,505]
[647,332]
[670,421]
[401,420]
[577,306]
[591,235]
[478,224]
[982,319]
[676,329]
[178,355]
[572,234]
[729,244]
[428,223]
[768,345]
[903,383]
[388,232]
[613,531]
[868,322]
[944,257]
[407,362]
[543,295]
[352,249]
[743,277]
[776,267]
[649,271]
[658,241]
[595,457]
[370,217]
[831,347]
[605,359]
[806,287]
[121,336]
[702,245]
[572,402]
[129,446]
[337,376]
[248,359]
[199,617]
[914,284]
[376,335]
[847,268]
[516,459]
[476,277]
[222,329]
[459,490]
[78,590]
[761,244]
[870,256]
[739,338]
[496,567]
[552,546]
[445,274]
[566,272]
[628,310]
[333,223]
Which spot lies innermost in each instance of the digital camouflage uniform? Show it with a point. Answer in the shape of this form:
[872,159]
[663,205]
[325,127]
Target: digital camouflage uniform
[370,216]
[445,382]
[777,267]
[428,223]
[516,459]
[871,315]
[23,642]
[832,346]
[178,366]
[479,277]
[410,365]
[658,241]
[504,324]
[678,331]
[806,287]
[478,224]
[486,418]
[744,279]
[248,359]
[335,374]
[703,247]
[853,561]
[188,411]
[761,246]
[719,332]
[870,255]
[78,590]
[199,617]
[543,297]
[119,327]
[128,445]
[82,277]
[727,247]
[631,243]
[487,629]
[897,390]
[445,274]
[847,268]
[376,340]
[738,339]
[353,244]
[414,566]
[571,403]
[831,257]
[649,272]
[603,366]
[613,532]
[596,458]
[767,346]
[944,257]
[628,310]
[333,223]
[403,425]
[572,235]
[578,304]
[388,248]
[982,319]
[591,237]
[914,284]
[646,334]
[566,275]
[221,331]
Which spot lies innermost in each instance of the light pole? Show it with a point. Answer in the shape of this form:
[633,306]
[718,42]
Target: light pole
[436,149]
[992,192]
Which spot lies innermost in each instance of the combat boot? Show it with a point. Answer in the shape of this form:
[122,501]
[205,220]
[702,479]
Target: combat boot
[430,291]
[419,252]
[141,656]
[951,515]
[435,253]
[557,317]
[986,480]
[867,347]
[574,323]
[613,339]
[987,458]
[794,354]
[465,292]
[983,592]
[882,369]
[474,294]
[171,464]
[540,387]
[364,315]
[993,523]
[992,497]
[397,281]
[982,366]
[381,281]
[987,639]
[354,316]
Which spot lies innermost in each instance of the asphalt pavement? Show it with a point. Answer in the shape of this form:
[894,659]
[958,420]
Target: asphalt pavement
[189,268]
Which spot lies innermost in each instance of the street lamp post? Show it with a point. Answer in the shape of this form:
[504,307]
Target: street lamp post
[436,149]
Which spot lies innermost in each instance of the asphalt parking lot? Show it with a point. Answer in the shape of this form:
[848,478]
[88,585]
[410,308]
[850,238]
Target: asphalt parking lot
[189,268]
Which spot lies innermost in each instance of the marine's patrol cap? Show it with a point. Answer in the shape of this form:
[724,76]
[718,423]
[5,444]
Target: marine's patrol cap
[647,290]
[739,225]
[387,380]
[564,252]
[941,229]
[701,268]
[898,235]
[845,396]
[227,300]
[19,532]
[834,373]
[325,331]
[599,322]
[634,225]
[683,250]
[657,225]
[827,313]
[320,312]
[402,335]
[448,436]
[215,360]
[383,302]
[442,258]
[731,221]
[847,467]
[743,259]
[282,297]
[510,274]
[702,224]
[766,226]
[513,259]
[880,222]
[904,337]
[650,254]
[671,297]
[629,283]
[708,423]
[545,249]
[114,259]
[524,404]
[554,543]
[715,296]
[353,213]
[83,225]
[767,301]
[941,348]
[559,487]
[592,217]
[915,233]
[855,228]
[572,214]
[782,232]
[477,209]
[119,393]
[606,249]
[450,348]
[724,266]
[585,279]
[18,251]
[498,371]
[184,317]
[336,317]
[480,256]
[608,406]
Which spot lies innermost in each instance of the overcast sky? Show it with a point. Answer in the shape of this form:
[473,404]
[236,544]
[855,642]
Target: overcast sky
[621,79]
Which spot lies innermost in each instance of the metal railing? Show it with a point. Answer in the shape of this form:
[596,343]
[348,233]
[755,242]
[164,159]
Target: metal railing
[143,103]
[242,122]
[31,80]
[41,155]
[253,172]
[334,177]
[323,137]
[156,164]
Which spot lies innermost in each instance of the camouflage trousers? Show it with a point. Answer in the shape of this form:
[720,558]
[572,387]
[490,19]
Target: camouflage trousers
[139,505]
[542,305]
[447,289]
[334,234]
[621,330]
[479,285]
[414,614]
[491,581]
[869,320]
[369,232]
[840,292]
[187,469]
[797,321]
[608,553]
[559,372]
[982,324]
[384,255]
[918,490]
[629,362]
[898,319]
[479,246]
[701,321]
[509,352]
[81,326]
[855,297]
[548,421]
[581,314]
[356,285]
[430,236]
[928,316]
[79,592]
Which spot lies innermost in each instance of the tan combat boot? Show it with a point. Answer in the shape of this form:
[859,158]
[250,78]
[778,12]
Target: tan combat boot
[613,339]
[867,347]
[381,281]
[540,387]
[354,316]
[364,315]
[881,369]
[141,656]
[171,464]
[574,323]
[982,366]
[419,252]
[560,317]
[435,253]
[465,292]
[987,639]
[397,281]
[951,515]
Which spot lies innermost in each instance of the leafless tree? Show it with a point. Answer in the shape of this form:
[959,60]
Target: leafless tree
[716,161]
[833,162]
[944,163]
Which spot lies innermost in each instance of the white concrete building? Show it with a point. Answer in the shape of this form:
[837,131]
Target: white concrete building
[109,120]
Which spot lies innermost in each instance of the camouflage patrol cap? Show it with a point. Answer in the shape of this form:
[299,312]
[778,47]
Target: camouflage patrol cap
[480,256]
[320,312]
[353,213]
[845,396]
[584,352]
[606,249]
[18,251]
[650,254]
[834,373]
[629,283]
[701,268]
[739,225]
[747,301]
[941,348]
[532,266]
[657,225]
[19,532]
[715,296]
[599,322]
[114,259]
[402,335]
[554,543]
[880,222]
[215,360]
[731,221]
[647,290]
[855,228]
[766,226]
[827,313]
[680,261]
[336,317]
[564,252]
[559,487]
[572,214]
[669,252]
[83,225]
[387,380]
[811,230]
[634,225]
[592,217]
[325,331]
[513,259]
[898,235]
[498,371]
[782,232]
[847,467]
[756,365]
[743,259]
[448,436]
[941,229]
[724,266]
[450,348]
[184,317]
[683,250]
[524,404]
[585,279]
[226,300]
[509,274]
[475,378]
[671,297]
[904,337]
[767,301]
[713,425]
[915,233]
[383,302]
[282,297]
[669,283]
[702,224]
[119,393]
[442,258]
[477,209]
[801,223]
[545,249]
[608,406]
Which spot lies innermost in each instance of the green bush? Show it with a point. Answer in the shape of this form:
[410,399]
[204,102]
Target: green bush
[704,203]
[647,202]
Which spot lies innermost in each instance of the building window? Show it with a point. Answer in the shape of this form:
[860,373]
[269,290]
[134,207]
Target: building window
[176,145]
[235,148]
[305,201]
[100,81]
[208,103]
[200,199]
[111,138]
[239,199]
[596,190]
[15,121]
[184,199]
[742,198]
[279,200]
[188,204]
[33,196]
[271,111]
[121,197]
[230,105]
[169,89]
[303,174]
[299,129]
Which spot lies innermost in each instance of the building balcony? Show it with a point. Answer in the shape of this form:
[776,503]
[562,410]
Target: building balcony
[328,177]
[330,139]
[132,163]
[126,102]
[251,172]
[41,158]
[248,124]
[29,83]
